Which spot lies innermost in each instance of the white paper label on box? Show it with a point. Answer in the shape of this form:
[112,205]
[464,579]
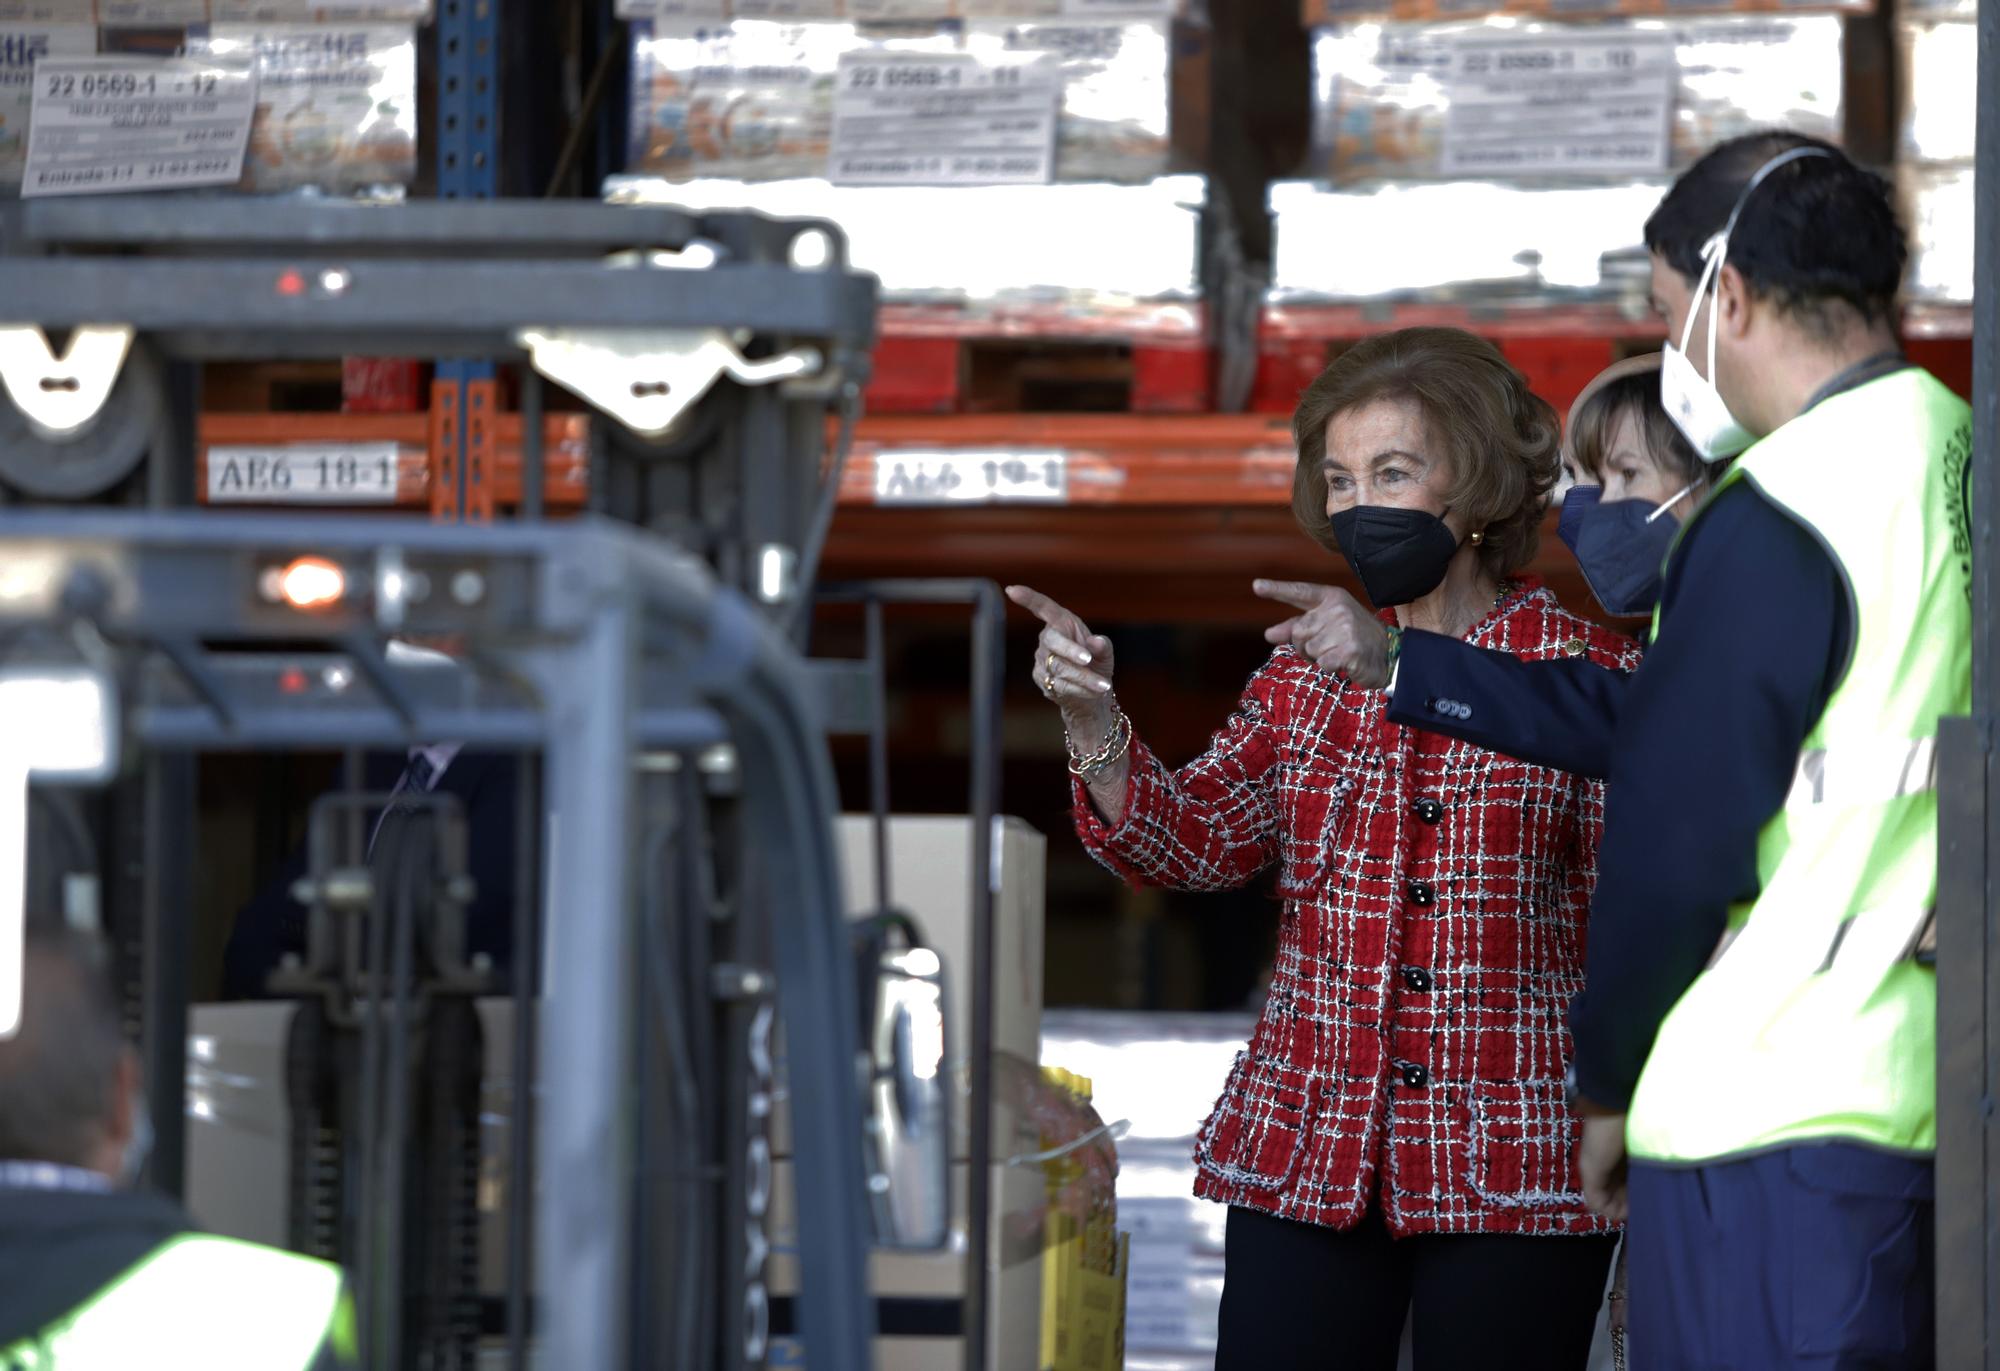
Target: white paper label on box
[136,123]
[1594,104]
[903,119]
[916,476]
[303,474]
[21,46]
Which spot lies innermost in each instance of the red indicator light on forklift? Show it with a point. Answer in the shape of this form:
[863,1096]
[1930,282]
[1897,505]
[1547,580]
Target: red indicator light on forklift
[292,681]
[291,283]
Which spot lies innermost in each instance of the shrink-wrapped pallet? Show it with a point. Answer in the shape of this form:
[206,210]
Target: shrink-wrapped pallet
[753,100]
[21,46]
[1402,101]
[1461,240]
[336,104]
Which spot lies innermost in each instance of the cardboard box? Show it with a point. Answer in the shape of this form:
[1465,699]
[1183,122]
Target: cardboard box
[1382,92]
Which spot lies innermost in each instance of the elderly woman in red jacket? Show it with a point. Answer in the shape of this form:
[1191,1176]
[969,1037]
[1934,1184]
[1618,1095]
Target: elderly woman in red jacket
[1395,1140]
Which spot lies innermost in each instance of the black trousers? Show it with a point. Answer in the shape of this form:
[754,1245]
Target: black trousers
[1296,1295]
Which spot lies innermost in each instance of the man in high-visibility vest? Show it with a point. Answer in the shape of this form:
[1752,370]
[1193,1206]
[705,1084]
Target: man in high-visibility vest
[96,1275]
[1758,1028]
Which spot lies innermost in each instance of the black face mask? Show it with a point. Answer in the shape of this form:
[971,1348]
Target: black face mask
[1400,554]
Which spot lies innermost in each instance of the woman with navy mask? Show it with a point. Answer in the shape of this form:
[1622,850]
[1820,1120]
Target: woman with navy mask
[1631,479]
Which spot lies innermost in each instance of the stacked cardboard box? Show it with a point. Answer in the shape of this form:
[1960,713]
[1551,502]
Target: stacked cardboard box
[1100,222]
[754,100]
[1554,135]
[1383,91]
[1938,51]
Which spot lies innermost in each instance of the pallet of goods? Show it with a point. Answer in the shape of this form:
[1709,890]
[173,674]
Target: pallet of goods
[1556,137]
[1019,181]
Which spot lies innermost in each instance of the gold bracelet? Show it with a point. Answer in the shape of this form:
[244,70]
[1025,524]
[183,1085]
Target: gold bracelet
[1113,751]
[1119,723]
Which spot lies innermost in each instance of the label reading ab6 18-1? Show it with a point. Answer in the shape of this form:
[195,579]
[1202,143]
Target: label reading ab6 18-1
[107,124]
[906,120]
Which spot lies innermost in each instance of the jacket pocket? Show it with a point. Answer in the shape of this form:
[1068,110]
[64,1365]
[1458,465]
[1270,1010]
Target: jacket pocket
[1256,1136]
[1314,801]
[1524,1141]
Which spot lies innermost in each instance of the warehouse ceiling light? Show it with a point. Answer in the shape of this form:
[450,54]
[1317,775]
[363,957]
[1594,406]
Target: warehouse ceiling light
[55,724]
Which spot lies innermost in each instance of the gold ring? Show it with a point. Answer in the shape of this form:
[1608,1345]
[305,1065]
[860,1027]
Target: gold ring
[1050,684]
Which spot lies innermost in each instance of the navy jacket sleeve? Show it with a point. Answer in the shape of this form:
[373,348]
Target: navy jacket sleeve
[1754,633]
[1558,713]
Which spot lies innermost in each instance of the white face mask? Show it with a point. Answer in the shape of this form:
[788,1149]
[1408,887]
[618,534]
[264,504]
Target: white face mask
[1690,398]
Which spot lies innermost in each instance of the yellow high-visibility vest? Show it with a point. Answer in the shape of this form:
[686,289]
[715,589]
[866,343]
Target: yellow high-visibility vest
[1816,1020]
[201,1301]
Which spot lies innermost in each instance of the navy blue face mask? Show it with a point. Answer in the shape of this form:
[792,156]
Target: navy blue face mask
[1621,546]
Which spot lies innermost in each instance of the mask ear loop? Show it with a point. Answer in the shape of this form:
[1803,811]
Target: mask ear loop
[1673,500]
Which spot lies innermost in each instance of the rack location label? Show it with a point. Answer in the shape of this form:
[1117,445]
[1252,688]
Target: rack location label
[302,474]
[107,124]
[916,476]
[900,119]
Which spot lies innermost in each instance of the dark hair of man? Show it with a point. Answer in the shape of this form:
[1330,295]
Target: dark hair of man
[1818,233]
[58,1074]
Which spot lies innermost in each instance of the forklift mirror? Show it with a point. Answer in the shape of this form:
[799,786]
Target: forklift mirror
[55,724]
[909,1105]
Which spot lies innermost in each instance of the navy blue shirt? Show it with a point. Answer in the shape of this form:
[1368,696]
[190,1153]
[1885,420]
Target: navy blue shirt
[1755,633]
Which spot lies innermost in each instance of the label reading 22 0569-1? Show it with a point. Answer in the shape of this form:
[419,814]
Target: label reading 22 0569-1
[106,124]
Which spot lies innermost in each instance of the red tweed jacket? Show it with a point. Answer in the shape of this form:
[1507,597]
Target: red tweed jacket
[1412,1047]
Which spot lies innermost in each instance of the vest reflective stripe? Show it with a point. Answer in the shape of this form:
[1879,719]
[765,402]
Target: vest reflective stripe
[1816,1018]
[1865,773]
[201,1301]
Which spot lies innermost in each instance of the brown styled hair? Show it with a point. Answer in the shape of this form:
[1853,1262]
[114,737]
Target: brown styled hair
[1638,395]
[1503,440]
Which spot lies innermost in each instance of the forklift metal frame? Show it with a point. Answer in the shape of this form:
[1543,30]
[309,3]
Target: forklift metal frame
[590,642]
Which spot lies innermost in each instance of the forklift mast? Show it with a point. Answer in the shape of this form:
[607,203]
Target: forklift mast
[678,914]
